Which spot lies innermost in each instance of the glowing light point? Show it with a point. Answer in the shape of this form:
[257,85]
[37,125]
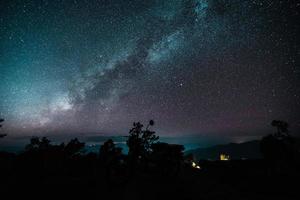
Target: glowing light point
[224,157]
[194,165]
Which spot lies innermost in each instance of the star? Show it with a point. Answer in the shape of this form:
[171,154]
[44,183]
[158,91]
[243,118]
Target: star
[198,67]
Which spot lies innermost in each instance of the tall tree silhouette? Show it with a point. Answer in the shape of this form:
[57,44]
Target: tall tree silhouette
[140,141]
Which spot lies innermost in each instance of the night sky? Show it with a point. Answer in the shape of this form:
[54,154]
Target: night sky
[197,67]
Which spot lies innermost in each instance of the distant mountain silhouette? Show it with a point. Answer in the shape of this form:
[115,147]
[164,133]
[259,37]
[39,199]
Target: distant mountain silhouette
[246,150]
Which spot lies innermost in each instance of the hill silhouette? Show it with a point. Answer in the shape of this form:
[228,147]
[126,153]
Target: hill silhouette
[246,150]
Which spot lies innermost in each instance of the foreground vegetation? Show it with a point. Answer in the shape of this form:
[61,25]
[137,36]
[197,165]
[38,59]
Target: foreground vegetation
[152,170]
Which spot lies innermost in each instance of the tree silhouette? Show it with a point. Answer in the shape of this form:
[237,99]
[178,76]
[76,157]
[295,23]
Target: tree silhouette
[282,127]
[1,120]
[279,149]
[2,135]
[108,151]
[38,144]
[110,157]
[140,142]
[74,147]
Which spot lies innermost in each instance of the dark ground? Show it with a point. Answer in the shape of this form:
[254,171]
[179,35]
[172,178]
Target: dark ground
[85,177]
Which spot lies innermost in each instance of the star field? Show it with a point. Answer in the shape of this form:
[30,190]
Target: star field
[197,67]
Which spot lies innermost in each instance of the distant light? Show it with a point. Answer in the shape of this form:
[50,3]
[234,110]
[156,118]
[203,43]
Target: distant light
[224,157]
[194,165]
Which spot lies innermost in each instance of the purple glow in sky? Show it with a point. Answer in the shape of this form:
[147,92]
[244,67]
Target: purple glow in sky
[197,67]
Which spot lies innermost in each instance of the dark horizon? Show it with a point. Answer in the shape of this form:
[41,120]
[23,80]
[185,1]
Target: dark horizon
[93,142]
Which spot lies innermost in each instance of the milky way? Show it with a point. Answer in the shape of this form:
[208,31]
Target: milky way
[197,67]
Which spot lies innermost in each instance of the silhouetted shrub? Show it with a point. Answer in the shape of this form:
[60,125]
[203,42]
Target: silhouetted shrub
[112,160]
[109,152]
[167,157]
[279,149]
[74,147]
[38,144]
[281,126]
